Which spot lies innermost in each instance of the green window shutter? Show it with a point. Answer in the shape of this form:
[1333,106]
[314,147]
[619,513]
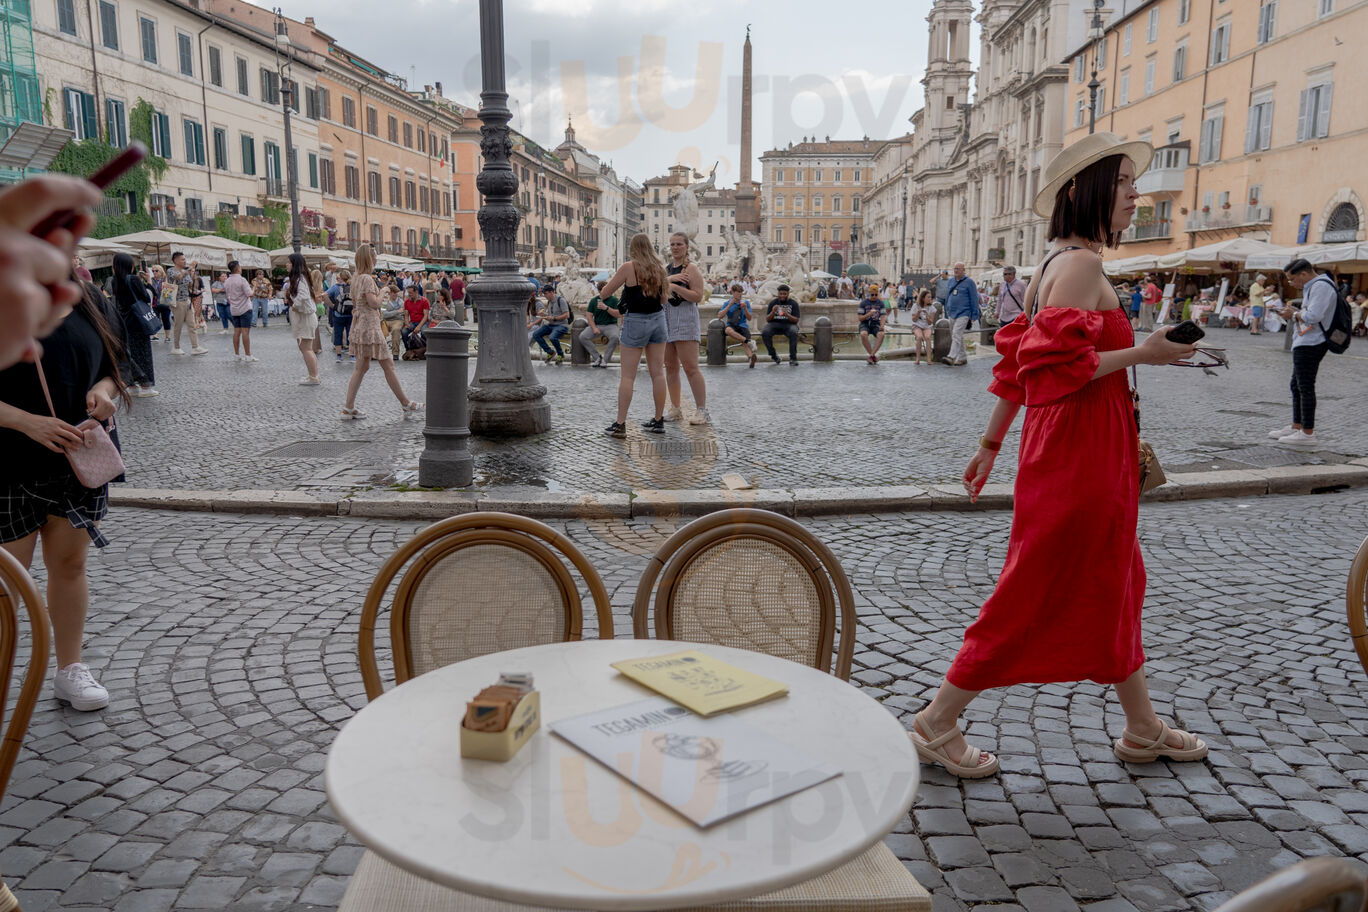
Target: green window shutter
[164,125]
[313,170]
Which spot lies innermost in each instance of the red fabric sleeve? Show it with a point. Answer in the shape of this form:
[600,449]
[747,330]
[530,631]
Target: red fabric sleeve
[1058,355]
[1006,340]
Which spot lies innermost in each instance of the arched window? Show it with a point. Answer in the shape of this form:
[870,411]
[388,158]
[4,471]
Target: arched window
[1343,224]
[798,203]
[836,203]
[779,204]
[816,234]
[817,202]
[797,234]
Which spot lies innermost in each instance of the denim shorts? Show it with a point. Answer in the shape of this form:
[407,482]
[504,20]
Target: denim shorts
[640,330]
[242,321]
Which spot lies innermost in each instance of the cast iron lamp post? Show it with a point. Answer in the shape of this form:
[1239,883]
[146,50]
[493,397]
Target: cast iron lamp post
[505,398]
[1093,84]
[283,58]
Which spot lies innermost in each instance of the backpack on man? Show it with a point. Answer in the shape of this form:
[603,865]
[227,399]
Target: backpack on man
[344,300]
[1340,332]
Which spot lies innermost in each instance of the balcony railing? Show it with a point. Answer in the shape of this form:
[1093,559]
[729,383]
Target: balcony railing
[1232,217]
[272,187]
[1155,231]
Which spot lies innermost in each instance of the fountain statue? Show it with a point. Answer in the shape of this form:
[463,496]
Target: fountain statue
[577,290]
[686,212]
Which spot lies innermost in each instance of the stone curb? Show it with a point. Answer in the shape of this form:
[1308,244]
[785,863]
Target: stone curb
[663,503]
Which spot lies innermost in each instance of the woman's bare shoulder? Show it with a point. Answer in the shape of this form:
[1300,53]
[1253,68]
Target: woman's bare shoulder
[1072,280]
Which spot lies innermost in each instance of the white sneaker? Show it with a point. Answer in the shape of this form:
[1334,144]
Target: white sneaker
[199,351]
[250,358]
[223,332]
[701,417]
[1282,432]
[1299,439]
[144,392]
[177,351]
[310,381]
[672,414]
[77,686]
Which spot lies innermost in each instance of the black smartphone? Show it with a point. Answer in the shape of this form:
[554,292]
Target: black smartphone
[1186,333]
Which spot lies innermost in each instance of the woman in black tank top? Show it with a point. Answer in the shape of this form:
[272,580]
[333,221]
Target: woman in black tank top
[643,283]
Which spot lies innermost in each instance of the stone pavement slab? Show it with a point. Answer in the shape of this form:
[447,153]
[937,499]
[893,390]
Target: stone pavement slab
[228,644]
[222,425]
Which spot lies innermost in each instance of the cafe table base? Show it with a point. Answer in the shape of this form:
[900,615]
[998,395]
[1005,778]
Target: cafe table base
[875,882]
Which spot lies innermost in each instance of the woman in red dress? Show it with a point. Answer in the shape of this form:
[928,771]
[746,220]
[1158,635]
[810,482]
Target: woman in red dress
[1067,605]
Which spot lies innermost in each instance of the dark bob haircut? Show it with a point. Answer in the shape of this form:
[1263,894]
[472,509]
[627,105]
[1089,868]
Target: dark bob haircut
[1300,264]
[1089,213]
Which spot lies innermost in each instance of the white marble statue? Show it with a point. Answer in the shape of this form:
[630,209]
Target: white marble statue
[728,266]
[686,205]
[577,290]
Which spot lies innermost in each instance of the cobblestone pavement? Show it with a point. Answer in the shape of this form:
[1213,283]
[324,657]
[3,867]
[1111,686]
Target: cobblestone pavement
[228,644]
[223,425]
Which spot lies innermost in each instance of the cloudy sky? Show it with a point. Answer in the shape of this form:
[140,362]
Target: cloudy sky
[650,83]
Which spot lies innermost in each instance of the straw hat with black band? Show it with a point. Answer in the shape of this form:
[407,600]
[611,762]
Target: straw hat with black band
[1087,151]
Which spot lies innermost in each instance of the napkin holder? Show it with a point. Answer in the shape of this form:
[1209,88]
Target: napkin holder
[502,745]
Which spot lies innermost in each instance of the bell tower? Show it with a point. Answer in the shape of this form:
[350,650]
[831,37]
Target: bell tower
[948,70]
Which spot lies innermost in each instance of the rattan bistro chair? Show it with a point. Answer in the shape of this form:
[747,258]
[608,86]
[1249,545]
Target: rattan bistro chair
[15,586]
[758,580]
[473,585]
[1357,599]
[752,579]
[1311,885]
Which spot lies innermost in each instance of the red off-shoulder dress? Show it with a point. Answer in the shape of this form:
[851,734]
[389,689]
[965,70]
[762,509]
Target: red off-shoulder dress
[1067,605]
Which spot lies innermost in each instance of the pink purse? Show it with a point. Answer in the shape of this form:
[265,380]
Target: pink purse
[97,461]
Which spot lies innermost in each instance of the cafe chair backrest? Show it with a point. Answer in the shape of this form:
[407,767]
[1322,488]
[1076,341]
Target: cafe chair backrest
[17,586]
[752,579]
[473,585]
[1357,603]
[1310,885]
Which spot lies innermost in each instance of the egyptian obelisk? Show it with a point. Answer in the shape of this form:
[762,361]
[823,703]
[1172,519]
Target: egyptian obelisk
[747,207]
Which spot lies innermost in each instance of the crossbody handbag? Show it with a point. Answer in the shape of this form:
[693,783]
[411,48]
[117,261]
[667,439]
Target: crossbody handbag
[1150,471]
[97,461]
[147,317]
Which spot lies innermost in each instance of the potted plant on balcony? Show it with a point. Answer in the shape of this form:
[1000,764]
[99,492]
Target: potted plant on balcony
[1206,209]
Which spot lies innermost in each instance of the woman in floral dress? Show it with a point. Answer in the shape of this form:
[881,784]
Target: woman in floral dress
[368,338]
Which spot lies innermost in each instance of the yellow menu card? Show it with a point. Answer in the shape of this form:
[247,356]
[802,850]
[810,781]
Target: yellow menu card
[702,684]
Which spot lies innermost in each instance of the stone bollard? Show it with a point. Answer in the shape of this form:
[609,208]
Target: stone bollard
[821,339]
[940,340]
[446,461]
[579,353]
[717,342]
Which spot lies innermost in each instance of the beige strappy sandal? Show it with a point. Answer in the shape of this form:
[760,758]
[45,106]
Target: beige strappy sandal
[1193,748]
[971,765]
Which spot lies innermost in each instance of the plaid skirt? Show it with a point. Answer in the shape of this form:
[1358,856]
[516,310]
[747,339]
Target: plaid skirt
[26,506]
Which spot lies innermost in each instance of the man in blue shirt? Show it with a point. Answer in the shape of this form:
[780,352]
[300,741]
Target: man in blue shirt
[961,307]
[1309,345]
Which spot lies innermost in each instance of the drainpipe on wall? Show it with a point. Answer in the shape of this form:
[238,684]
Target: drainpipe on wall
[94,65]
[204,102]
[1206,72]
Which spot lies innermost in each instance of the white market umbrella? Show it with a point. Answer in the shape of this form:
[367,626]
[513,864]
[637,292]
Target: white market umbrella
[1211,256]
[98,253]
[1343,257]
[393,262]
[154,242]
[821,274]
[1279,257]
[314,256]
[1130,265]
[249,256]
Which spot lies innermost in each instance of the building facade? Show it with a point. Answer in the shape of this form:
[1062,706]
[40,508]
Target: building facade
[554,204]
[973,167]
[386,157]
[1239,100]
[716,221]
[206,89]
[811,196]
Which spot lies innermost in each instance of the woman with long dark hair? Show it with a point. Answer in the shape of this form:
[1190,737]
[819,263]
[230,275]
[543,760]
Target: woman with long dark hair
[1068,602]
[643,282]
[41,498]
[302,299]
[129,288]
[368,339]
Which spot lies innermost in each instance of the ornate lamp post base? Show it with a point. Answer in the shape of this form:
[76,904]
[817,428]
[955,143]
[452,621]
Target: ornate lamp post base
[505,398]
